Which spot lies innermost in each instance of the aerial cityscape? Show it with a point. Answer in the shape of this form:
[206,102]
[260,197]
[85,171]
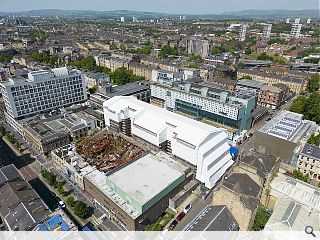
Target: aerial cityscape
[166,117]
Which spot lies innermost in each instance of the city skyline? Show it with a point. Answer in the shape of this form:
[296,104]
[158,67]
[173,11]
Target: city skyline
[177,6]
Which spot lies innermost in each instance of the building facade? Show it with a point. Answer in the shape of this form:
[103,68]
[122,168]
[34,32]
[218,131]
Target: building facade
[271,96]
[43,91]
[206,102]
[309,162]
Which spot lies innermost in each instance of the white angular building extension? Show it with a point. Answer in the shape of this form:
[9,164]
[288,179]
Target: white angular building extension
[202,145]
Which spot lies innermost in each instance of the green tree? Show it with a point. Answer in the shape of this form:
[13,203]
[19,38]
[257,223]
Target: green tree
[166,50]
[70,201]
[260,219]
[247,77]
[298,105]
[81,209]
[299,175]
[264,56]
[314,139]
[52,180]
[92,90]
[312,109]
[314,82]
[195,58]
[122,76]
[60,188]
[4,57]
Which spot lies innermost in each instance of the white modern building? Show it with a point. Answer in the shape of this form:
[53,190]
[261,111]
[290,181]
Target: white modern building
[43,91]
[267,30]
[160,75]
[243,32]
[199,144]
[121,19]
[295,30]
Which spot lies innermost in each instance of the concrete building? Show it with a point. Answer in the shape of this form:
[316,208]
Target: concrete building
[241,195]
[51,133]
[21,208]
[309,161]
[43,91]
[214,218]
[266,30]
[271,96]
[121,19]
[242,32]
[134,201]
[282,136]
[208,103]
[295,84]
[295,30]
[199,144]
[198,47]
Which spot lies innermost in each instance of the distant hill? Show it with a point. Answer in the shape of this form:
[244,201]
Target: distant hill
[274,13]
[84,13]
[312,13]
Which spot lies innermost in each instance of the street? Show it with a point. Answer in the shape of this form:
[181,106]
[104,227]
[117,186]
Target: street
[8,156]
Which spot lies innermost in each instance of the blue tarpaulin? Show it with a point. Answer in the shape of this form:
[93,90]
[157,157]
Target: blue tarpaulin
[234,151]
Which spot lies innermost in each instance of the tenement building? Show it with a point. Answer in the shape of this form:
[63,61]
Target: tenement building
[295,84]
[309,161]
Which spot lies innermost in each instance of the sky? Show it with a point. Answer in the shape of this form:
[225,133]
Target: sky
[165,6]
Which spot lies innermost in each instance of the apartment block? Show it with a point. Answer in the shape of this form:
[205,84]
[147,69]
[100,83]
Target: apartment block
[208,103]
[271,96]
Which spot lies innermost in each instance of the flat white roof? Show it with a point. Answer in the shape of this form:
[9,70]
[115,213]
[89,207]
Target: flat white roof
[153,117]
[145,178]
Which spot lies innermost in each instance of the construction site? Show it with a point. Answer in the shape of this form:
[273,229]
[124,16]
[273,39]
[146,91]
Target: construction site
[108,151]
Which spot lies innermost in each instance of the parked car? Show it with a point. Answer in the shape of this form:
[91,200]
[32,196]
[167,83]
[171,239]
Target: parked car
[173,225]
[62,204]
[180,216]
[187,208]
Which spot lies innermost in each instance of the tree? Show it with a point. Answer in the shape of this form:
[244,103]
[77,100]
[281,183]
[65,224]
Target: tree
[70,201]
[92,90]
[52,179]
[81,209]
[247,77]
[299,175]
[122,76]
[4,57]
[59,186]
[314,139]
[298,104]
[312,109]
[195,58]
[166,50]
[314,82]
[264,56]
[260,219]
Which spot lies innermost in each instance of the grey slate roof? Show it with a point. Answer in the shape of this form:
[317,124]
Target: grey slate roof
[312,151]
